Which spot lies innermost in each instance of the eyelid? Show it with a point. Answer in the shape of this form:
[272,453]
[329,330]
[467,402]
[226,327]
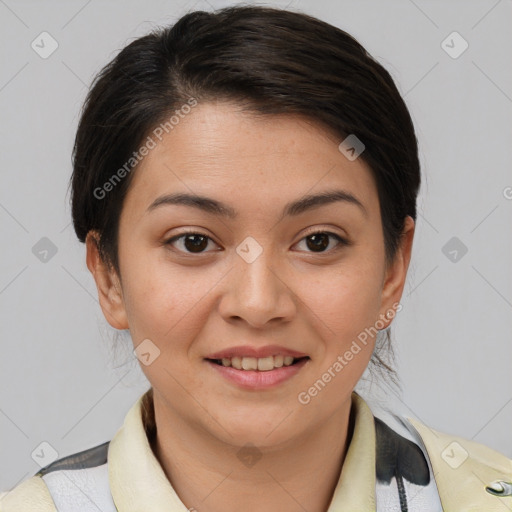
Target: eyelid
[325,230]
[189,231]
[343,241]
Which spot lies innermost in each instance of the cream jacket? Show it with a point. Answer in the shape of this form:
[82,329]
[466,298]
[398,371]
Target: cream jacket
[418,469]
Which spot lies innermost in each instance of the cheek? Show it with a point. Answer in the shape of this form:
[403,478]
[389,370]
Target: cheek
[346,300]
[167,303]
[158,297]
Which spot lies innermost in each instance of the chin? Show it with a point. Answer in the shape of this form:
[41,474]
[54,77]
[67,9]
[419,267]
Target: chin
[260,426]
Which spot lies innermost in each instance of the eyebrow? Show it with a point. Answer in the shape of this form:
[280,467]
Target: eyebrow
[214,207]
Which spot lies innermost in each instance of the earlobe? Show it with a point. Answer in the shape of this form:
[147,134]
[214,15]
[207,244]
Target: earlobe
[107,282]
[396,273]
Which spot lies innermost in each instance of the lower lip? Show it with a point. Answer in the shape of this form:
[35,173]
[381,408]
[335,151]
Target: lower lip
[252,379]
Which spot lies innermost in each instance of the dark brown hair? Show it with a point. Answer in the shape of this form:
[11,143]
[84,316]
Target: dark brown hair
[268,61]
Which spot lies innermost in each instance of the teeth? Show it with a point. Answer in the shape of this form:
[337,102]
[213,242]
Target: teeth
[288,360]
[262,364]
[249,363]
[266,363]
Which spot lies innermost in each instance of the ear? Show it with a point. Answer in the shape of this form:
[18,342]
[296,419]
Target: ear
[396,273]
[108,284]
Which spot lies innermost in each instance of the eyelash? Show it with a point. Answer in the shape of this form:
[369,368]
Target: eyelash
[341,241]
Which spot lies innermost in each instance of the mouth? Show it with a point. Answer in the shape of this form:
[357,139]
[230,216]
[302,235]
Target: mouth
[260,364]
[257,373]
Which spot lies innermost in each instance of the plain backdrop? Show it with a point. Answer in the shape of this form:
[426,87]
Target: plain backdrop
[65,378]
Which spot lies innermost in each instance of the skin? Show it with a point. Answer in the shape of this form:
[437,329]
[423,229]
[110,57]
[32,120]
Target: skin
[193,304]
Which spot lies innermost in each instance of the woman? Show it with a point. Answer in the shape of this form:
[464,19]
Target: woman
[245,183]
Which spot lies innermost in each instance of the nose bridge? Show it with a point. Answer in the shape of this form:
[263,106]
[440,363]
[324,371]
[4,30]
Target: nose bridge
[256,273]
[257,293]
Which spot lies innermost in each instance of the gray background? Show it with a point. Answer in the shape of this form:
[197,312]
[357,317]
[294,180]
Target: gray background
[64,377]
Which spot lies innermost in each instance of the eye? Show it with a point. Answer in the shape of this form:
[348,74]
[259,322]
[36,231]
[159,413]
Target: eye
[318,241]
[192,241]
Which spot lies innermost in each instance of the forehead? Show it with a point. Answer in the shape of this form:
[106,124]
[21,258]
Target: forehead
[218,150]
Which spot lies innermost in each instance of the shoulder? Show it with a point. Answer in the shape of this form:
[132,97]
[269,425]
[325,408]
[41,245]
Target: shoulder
[437,467]
[76,482]
[30,495]
[468,475]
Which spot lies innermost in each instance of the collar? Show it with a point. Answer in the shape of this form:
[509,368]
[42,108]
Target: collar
[143,485]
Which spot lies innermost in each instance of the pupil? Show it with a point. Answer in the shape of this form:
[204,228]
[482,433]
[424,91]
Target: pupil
[196,246]
[320,240]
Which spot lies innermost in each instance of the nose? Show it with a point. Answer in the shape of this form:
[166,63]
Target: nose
[258,293]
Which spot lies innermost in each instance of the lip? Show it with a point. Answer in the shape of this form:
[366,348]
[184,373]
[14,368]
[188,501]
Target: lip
[258,380]
[258,352]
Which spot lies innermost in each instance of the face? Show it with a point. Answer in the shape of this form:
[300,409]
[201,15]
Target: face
[260,269]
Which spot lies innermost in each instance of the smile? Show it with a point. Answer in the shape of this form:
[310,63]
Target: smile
[262,364]
[258,373]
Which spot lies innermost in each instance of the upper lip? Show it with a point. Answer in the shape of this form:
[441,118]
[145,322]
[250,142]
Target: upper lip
[258,352]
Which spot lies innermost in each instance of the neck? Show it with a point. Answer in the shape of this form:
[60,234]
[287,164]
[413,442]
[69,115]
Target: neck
[209,474]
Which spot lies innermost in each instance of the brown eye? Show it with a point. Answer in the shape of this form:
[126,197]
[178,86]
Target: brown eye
[194,243]
[319,241]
